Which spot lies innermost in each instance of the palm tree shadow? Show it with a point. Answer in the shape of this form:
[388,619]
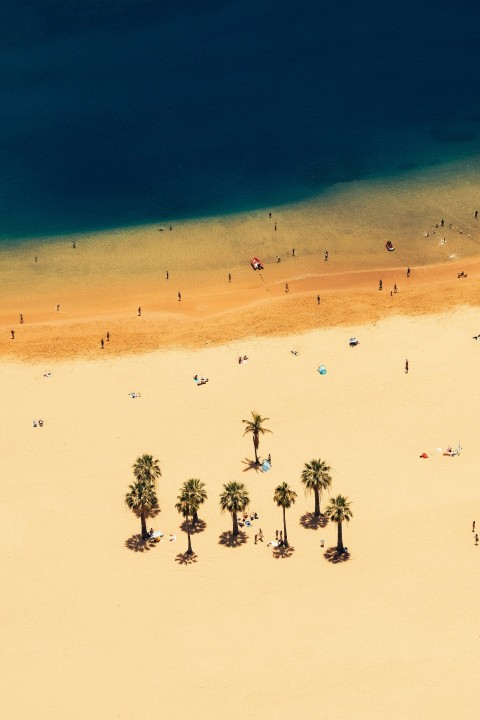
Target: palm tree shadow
[232,541]
[335,557]
[251,465]
[186,559]
[311,522]
[198,527]
[138,544]
[280,553]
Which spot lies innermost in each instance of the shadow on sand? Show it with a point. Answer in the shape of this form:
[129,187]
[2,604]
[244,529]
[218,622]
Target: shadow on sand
[186,559]
[311,522]
[232,541]
[199,527]
[251,465]
[137,544]
[279,553]
[333,556]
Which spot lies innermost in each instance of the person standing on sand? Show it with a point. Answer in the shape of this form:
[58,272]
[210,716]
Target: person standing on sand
[167,274]
[293,252]
[395,289]
[74,244]
[269,214]
[102,343]
[380,285]
[58,307]
[476,214]
[476,539]
[275,226]
[318,299]
[13,334]
[21,319]
[408,272]
[108,336]
[473,526]
[36,259]
[325,255]
[286,287]
[229,277]
[139,311]
[406,367]
[179,296]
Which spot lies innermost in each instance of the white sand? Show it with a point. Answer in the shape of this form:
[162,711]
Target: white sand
[92,629]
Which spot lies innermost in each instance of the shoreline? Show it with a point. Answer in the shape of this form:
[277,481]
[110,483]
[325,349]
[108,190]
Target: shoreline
[217,315]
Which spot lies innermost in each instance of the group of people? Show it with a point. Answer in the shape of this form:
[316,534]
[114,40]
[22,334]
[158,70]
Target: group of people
[242,360]
[200,380]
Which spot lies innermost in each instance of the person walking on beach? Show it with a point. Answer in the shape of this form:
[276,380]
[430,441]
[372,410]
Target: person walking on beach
[286,287]
[318,299]
[21,319]
[293,252]
[406,367]
[167,274]
[74,244]
[476,214]
[13,334]
[179,296]
[325,255]
[269,214]
[442,222]
[476,539]
[108,336]
[473,526]
[139,311]
[229,277]
[102,343]
[275,226]
[408,272]
[36,259]
[395,288]
[58,307]
[380,285]
[269,459]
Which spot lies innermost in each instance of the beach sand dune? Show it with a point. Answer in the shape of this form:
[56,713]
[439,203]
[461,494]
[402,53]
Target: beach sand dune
[95,624]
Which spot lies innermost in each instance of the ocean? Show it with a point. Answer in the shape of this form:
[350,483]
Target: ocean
[127,112]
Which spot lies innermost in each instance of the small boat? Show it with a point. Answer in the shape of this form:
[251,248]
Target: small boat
[256,263]
[390,246]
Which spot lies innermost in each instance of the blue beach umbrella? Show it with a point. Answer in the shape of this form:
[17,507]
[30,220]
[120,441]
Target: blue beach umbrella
[322,370]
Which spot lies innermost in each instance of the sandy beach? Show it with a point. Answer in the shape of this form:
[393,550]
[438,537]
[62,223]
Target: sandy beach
[97,625]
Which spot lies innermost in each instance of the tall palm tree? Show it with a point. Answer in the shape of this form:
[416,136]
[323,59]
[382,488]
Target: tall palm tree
[316,478]
[197,488]
[233,499]
[186,505]
[284,497]
[142,500]
[147,469]
[339,512]
[255,427]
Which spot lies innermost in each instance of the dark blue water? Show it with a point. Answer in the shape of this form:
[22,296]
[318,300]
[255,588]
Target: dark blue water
[123,112]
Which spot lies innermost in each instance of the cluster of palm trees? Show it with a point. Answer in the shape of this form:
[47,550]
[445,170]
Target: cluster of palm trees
[316,477]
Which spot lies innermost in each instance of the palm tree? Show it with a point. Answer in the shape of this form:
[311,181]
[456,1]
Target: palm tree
[339,512]
[147,469]
[197,488]
[233,499]
[255,427]
[142,500]
[187,504]
[316,477]
[284,497]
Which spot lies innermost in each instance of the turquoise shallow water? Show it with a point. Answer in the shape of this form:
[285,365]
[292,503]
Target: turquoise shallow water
[128,112]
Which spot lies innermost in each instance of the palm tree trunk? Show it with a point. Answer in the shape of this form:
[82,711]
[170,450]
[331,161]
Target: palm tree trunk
[235,523]
[285,539]
[144,526]
[195,517]
[255,447]
[340,547]
[189,549]
[317,502]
